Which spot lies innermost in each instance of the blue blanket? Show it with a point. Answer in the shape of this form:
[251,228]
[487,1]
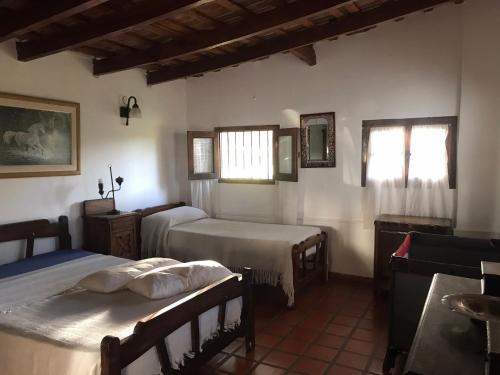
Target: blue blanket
[41,261]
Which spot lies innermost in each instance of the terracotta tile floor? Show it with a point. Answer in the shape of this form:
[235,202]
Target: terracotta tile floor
[335,329]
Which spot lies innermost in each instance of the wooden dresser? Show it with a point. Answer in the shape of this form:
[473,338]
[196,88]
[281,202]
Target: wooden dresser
[390,231]
[109,234]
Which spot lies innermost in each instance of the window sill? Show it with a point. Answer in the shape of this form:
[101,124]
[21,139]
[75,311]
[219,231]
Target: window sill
[246,181]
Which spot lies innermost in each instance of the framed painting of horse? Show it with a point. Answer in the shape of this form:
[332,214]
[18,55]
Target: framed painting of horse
[38,137]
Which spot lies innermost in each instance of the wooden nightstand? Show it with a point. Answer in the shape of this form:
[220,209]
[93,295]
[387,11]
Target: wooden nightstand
[109,234]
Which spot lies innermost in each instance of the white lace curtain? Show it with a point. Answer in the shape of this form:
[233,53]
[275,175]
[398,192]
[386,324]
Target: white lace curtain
[204,196]
[428,192]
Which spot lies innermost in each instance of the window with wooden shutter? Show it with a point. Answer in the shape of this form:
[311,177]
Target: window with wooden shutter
[244,154]
[248,154]
[203,155]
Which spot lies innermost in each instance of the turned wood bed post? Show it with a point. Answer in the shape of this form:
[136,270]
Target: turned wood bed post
[248,309]
[296,265]
[64,236]
[110,356]
[324,257]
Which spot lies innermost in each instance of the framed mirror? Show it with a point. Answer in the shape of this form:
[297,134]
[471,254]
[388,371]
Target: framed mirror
[287,155]
[317,140]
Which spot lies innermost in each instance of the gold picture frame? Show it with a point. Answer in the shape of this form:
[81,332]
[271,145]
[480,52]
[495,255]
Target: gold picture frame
[38,137]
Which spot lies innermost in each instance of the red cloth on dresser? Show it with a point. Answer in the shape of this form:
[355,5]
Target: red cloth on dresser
[403,249]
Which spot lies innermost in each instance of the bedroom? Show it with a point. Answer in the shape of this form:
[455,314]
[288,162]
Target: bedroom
[439,63]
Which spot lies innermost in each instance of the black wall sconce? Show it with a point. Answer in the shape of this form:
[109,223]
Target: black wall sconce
[127,111]
[100,185]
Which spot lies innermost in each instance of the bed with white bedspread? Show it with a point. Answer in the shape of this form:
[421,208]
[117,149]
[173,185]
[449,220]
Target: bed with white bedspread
[279,255]
[50,326]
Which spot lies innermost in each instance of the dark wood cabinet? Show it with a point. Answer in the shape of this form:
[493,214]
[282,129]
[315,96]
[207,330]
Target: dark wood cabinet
[110,234]
[390,231]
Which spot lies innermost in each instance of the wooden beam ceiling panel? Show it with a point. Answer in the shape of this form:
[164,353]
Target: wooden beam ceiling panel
[249,27]
[206,19]
[362,20]
[307,54]
[93,51]
[40,14]
[137,16]
[337,13]
[234,7]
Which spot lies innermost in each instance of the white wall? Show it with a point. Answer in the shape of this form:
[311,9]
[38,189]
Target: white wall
[479,154]
[146,153]
[434,64]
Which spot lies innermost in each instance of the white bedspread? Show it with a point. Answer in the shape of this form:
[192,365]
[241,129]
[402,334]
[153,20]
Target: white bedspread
[266,248]
[44,330]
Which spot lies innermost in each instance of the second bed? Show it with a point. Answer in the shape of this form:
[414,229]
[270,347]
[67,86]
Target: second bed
[288,256]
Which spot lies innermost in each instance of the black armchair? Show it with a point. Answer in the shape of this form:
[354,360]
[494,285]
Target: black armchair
[412,275]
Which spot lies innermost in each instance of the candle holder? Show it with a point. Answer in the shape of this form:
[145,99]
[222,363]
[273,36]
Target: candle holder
[119,180]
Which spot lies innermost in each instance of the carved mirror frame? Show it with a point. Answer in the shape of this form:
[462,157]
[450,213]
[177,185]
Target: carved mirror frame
[330,144]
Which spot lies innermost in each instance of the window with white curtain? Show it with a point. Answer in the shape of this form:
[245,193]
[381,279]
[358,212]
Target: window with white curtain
[428,159]
[247,154]
[428,154]
[386,155]
[409,166]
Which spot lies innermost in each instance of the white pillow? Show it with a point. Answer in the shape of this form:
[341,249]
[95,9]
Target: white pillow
[185,214]
[175,216]
[115,278]
[154,228]
[158,283]
[200,273]
[169,281]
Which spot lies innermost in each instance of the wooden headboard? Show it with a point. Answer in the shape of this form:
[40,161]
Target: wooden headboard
[153,210]
[143,212]
[31,230]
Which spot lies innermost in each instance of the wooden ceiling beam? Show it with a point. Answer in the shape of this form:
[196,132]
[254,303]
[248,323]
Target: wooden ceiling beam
[307,54]
[137,16]
[40,14]
[232,6]
[251,26]
[93,51]
[362,20]
[204,18]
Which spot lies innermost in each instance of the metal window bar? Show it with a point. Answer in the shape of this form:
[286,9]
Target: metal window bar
[268,154]
[246,159]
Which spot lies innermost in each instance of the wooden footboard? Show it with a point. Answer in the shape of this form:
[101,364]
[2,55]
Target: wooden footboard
[116,354]
[307,268]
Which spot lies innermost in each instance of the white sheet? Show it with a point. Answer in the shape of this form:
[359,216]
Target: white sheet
[266,248]
[50,332]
